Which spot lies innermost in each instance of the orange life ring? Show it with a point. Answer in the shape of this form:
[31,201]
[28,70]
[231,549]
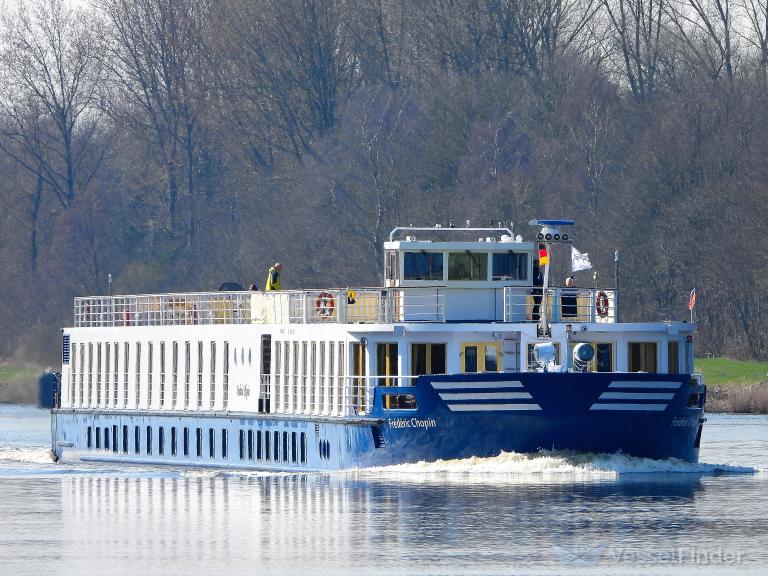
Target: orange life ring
[601,304]
[325,305]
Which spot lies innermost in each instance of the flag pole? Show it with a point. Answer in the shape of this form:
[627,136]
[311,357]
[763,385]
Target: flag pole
[543,324]
[616,293]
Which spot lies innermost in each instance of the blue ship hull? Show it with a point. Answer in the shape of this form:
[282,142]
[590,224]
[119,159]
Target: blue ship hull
[456,416]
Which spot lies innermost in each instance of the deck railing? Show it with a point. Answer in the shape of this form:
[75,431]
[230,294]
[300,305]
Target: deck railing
[524,304]
[345,306]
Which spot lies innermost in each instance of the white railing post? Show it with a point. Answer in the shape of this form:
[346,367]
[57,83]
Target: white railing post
[341,307]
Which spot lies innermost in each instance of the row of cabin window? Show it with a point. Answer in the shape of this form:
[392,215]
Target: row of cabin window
[294,445]
[266,446]
[109,374]
[464,265]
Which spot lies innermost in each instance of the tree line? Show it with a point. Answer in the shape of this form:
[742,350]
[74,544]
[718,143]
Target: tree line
[176,144]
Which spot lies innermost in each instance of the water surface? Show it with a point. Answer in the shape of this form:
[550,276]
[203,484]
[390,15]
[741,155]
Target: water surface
[552,513]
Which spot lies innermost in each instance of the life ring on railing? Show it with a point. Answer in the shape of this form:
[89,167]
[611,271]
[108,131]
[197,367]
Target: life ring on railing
[325,305]
[601,304]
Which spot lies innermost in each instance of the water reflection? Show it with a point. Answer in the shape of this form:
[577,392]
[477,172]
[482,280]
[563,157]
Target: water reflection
[295,520]
[87,524]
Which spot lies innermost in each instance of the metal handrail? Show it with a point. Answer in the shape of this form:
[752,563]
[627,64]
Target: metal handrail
[565,304]
[340,306]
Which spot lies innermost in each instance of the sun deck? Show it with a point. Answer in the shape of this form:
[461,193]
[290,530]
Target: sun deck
[348,306]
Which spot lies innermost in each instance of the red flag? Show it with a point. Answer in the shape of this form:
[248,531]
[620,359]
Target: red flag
[692,299]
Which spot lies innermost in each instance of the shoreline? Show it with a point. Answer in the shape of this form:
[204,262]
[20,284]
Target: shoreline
[738,398]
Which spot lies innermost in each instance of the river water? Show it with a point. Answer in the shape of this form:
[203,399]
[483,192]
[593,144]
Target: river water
[551,513]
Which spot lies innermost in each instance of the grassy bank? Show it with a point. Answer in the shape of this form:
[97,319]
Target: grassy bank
[18,383]
[735,385]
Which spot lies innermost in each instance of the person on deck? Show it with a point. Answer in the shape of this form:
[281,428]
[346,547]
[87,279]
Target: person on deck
[569,299]
[273,277]
[537,291]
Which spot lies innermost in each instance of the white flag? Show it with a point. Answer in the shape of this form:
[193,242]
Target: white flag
[579,261]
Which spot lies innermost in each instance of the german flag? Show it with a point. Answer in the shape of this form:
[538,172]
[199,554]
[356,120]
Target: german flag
[543,256]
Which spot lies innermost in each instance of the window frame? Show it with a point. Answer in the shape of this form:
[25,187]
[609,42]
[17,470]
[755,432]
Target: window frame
[469,253]
[522,266]
[435,266]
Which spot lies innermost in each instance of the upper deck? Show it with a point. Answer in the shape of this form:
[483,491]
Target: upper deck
[476,275]
[343,306]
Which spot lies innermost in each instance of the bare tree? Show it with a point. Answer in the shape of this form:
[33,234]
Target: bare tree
[154,54]
[366,187]
[522,37]
[756,33]
[707,29]
[637,28]
[49,107]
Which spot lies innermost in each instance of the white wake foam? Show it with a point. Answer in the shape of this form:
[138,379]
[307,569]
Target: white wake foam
[32,455]
[545,467]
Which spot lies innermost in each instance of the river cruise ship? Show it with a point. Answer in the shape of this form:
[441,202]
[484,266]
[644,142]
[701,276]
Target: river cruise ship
[466,350]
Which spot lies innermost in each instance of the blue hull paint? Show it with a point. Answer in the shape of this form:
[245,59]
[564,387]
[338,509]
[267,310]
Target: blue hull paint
[458,416]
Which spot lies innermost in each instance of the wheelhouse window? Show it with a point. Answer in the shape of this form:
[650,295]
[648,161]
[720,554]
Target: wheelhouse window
[423,266]
[510,266]
[643,357]
[427,359]
[468,265]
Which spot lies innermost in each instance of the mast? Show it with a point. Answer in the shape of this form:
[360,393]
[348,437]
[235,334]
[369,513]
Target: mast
[549,234]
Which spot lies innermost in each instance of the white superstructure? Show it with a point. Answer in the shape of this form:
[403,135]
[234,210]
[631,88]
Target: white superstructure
[321,352]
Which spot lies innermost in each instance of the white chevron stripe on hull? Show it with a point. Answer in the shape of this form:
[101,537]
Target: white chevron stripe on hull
[632,407]
[485,396]
[637,396]
[469,385]
[629,384]
[491,407]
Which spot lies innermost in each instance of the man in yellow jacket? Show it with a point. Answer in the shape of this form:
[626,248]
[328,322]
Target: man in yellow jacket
[273,277]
